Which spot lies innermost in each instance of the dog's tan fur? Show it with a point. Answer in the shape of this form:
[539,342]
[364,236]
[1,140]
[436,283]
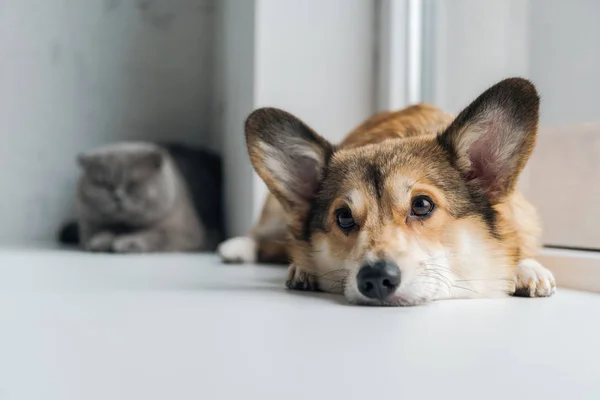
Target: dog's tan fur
[478,242]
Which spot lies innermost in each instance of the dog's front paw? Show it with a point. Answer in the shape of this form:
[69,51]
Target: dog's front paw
[533,280]
[130,244]
[101,241]
[240,249]
[298,279]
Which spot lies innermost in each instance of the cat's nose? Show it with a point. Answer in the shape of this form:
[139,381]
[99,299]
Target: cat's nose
[378,280]
[119,195]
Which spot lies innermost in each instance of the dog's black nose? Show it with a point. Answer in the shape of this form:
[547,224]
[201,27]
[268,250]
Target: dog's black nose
[378,280]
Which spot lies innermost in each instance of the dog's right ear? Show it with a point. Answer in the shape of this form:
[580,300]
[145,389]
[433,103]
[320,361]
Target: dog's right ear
[491,140]
[288,155]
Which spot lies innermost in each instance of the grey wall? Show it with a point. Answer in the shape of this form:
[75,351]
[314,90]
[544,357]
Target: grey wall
[474,44]
[564,45]
[75,74]
[552,42]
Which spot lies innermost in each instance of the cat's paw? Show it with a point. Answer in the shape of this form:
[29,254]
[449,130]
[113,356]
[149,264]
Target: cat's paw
[102,241]
[533,280]
[241,249]
[130,244]
[298,279]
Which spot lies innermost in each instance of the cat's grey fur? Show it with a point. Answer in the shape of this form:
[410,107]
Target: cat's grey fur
[133,197]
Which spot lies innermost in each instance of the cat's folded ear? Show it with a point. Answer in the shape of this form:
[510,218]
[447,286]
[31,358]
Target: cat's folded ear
[141,163]
[288,155]
[146,164]
[85,161]
[150,160]
[491,140]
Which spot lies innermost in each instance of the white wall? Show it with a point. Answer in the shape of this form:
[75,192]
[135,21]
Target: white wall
[75,74]
[234,99]
[552,42]
[313,58]
[474,44]
[564,45]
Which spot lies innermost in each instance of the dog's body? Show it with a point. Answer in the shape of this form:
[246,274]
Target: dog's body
[412,206]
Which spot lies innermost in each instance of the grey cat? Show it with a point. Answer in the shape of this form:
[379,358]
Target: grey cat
[143,197]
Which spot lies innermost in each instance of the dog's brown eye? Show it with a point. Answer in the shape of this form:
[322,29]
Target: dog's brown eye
[344,219]
[421,206]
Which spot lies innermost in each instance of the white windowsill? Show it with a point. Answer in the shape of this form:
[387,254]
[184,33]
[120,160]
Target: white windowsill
[96,326]
[575,269]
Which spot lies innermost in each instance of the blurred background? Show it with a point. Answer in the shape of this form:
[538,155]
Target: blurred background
[77,74]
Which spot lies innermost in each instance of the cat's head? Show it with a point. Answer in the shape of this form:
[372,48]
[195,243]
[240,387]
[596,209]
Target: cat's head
[130,183]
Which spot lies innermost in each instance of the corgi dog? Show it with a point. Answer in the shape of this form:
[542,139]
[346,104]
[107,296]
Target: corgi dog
[413,206]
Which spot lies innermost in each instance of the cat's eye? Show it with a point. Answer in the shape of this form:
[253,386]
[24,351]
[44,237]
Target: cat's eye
[100,181]
[421,206]
[132,186]
[344,219]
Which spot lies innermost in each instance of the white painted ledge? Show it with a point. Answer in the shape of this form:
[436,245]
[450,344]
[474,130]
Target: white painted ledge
[575,269]
[83,326]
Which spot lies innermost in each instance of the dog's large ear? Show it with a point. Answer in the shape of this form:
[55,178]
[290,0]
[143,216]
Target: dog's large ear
[491,140]
[288,155]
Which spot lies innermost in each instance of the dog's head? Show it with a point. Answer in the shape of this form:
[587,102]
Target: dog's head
[402,221]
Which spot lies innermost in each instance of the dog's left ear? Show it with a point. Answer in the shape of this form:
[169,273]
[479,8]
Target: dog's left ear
[491,140]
